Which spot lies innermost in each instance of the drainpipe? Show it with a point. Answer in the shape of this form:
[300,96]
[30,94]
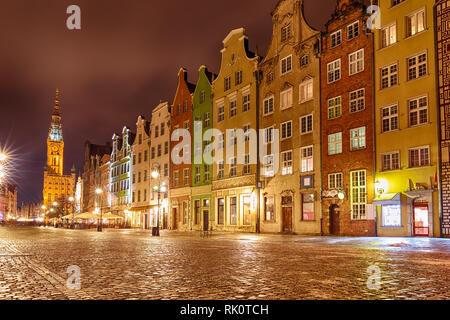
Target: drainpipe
[438,113]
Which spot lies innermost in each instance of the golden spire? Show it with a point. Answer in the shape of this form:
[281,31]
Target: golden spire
[56,108]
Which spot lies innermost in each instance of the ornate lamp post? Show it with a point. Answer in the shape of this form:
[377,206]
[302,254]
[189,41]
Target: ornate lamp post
[99,192]
[71,200]
[156,174]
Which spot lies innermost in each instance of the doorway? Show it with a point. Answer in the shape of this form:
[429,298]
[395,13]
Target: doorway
[420,217]
[205,220]
[334,219]
[287,219]
[175,218]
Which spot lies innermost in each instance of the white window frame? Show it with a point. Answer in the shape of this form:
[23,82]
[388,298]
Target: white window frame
[307,159]
[356,99]
[417,66]
[268,165]
[334,68]
[390,116]
[286,98]
[287,163]
[358,138]
[358,194]
[389,155]
[306,91]
[334,104]
[270,101]
[414,16]
[336,39]
[356,61]
[306,127]
[351,27]
[288,65]
[420,159]
[388,35]
[335,180]
[336,143]
[418,111]
[285,133]
[389,75]
[268,137]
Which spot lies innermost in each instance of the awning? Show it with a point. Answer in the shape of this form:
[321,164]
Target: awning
[392,197]
[139,208]
[87,215]
[110,216]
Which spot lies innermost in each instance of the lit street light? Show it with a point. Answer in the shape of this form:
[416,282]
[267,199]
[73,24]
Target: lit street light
[156,174]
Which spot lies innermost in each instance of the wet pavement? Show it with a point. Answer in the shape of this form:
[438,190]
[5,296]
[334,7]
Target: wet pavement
[133,265]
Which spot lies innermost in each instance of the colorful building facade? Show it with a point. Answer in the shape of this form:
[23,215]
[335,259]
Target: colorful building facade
[202,117]
[406,123]
[181,156]
[290,103]
[235,116]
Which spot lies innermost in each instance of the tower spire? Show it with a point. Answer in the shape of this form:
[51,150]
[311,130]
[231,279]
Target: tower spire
[55,132]
[56,107]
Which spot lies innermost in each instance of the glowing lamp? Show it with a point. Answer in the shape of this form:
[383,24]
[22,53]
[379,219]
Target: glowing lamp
[155,174]
[381,186]
[341,195]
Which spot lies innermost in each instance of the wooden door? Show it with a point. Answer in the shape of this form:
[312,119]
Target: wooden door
[175,218]
[334,220]
[205,220]
[287,219]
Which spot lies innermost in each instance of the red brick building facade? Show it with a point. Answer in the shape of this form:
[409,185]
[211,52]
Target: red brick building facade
[180,173]
[347,115]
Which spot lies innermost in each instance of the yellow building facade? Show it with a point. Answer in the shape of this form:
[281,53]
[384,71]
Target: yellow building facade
[234,107]
[406,120]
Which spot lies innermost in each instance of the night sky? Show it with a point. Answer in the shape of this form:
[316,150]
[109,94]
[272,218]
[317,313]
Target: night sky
[119,65]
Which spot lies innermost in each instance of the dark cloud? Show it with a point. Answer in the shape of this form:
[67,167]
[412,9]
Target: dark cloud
[123,61]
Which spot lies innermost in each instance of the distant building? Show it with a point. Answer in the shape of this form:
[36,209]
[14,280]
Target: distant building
[30,211]
[8,202]
[58,187]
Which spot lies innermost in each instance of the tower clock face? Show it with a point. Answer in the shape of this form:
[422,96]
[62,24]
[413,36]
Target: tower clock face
[55,149]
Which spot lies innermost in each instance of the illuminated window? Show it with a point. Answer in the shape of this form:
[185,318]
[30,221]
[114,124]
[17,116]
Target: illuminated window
[391,216]
[357,138]
[356,62]
[269,209]
[306,90]
[308,207]
[286,162]
[335,180]
[286,99]
[334,71]
[307,159]
[358,194]
[233,210]
[415,23]
[220,211]
[334,108]
[388,35]
[335,143]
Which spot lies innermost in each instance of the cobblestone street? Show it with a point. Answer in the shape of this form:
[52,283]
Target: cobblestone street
[133,265]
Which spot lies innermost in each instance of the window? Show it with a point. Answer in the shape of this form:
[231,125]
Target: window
[307,159]
[162,128]
[238,77]
[306,91]
[153,152]
[202,96]
[145,155]
[358,194]
[178,109]
[233,210]
[286,130]
[139,157]
[221,114]
[246,129]
[206,173]
[197,174]
[396,2]
[389,76]
[306,124]
[415,23]
[335,143]
[268,106]
[269,212]
[233,170]
[286,162]
[335,180]
[221,170]
[246,210]
[185,106]
[246,102]
[357,100]
[159,150]
[334,71]
[227,83]
[353,30]
[356,62]
[286,65]
[336,38]
[134,159]
[417,66]
[175,179]
[390,161]
[286,99]
[246,169]
[220,142]
[166,169]
[388,35]
[185,212]
[304,60]
[391,216]
[357,138]
[186,177]
[270,77]
[233,137]
[419,157]
[166,147]
[207,119]
[233,108]
[220,211]
[308,207]
[418,111]
[334,108]
[156,131]
[196,211]
[186,125]
[285,32]
[268,135]
[389,117]
[268,168]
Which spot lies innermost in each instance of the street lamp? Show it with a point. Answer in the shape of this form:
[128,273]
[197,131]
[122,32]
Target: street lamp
[156,174]
[3,157]
[99,191]
[71,200]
